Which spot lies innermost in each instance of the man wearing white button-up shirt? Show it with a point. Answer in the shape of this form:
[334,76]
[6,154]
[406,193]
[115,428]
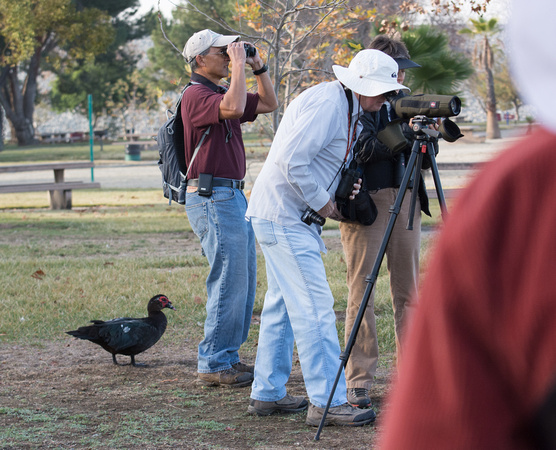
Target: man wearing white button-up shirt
[313,144]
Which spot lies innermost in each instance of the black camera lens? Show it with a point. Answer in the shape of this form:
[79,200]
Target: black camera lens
[250,51]
[309,216]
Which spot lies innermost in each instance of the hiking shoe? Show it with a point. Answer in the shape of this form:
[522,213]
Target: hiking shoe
[289,404]
[240,367]
[227,378]
[343,415]
[359,397]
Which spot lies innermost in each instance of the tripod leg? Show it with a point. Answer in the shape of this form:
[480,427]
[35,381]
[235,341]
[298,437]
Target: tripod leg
[415,191]
[437,184]
[371,279]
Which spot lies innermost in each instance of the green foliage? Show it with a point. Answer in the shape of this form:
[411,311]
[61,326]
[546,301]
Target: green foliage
[76,81]
[30,31]
[482,26]
[442,70]
[109,77]
[168,66]
[28,26]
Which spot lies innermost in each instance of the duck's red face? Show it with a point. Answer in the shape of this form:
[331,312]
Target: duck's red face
[165,302]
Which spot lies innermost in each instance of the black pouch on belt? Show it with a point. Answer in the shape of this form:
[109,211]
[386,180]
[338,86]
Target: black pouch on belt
[204,187]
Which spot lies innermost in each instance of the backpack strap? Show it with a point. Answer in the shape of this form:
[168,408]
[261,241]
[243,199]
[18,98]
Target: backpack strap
[205,134]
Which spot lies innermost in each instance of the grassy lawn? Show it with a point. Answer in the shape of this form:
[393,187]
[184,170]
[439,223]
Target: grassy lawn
[111,151]
[115,234]
[120,236]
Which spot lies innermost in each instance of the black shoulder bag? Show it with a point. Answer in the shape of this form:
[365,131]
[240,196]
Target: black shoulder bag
[361,209]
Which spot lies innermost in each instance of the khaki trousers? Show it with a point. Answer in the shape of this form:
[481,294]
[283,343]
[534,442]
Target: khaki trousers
[361,245]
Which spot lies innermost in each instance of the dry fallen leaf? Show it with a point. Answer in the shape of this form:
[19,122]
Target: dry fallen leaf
[39,274]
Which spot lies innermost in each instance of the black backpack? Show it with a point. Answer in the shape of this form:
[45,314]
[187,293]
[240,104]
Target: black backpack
[171,149]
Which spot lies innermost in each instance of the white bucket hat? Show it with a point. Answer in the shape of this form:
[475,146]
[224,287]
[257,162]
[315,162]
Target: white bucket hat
[532,34]
[203,40]
[370,73]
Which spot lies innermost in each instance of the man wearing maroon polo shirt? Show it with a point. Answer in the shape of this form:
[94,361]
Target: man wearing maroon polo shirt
[215,202]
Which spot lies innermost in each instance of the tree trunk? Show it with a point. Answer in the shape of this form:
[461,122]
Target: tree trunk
[24,130]
[516,106]
[1,129]
[12,99]
[492,127]
[277,76]
[18,99]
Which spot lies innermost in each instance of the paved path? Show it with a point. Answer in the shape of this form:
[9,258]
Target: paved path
[145,174]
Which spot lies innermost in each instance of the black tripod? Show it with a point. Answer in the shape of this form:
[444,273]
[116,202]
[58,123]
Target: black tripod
[422,144]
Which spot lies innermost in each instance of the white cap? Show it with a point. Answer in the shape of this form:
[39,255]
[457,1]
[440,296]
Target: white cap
[532,35]
[370,73]
[203,40]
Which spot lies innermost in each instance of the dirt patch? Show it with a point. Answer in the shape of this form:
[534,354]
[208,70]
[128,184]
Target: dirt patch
[68,394]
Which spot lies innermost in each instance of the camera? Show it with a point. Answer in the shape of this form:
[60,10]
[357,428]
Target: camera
[362,208]
[309,216]
[250,51]
[350,176]
[428,105]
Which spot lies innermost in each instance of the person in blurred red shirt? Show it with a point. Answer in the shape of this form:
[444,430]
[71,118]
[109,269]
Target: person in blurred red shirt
[480,364]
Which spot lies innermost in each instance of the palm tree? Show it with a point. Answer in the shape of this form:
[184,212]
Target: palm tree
[442,71]
[484,57]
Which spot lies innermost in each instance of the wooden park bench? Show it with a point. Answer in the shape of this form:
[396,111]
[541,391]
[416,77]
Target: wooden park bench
[60,190]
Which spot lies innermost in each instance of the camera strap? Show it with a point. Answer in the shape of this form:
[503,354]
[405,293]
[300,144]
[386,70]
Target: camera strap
[351,136]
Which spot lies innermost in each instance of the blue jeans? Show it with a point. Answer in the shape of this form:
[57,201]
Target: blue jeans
[228,242]
[298,305]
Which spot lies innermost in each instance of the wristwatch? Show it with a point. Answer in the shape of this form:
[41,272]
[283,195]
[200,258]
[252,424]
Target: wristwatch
[262,70]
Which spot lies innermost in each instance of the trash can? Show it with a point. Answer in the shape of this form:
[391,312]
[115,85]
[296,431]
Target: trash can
[133,152]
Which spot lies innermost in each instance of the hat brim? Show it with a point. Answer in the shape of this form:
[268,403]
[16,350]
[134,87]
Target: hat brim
[223,41]
[365,86]
[404,63]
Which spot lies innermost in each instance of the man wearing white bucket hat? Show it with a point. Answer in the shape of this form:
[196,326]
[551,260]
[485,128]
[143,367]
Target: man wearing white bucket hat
[215,203]
[299,179]
[479,369]
[362,237]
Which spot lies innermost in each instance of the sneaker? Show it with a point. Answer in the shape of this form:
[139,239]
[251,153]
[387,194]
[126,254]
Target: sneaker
[343,415]
[289,404]
[359,397]
[227,378]
[240,367]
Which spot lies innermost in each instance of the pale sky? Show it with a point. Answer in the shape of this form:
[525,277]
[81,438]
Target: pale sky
[166,6]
